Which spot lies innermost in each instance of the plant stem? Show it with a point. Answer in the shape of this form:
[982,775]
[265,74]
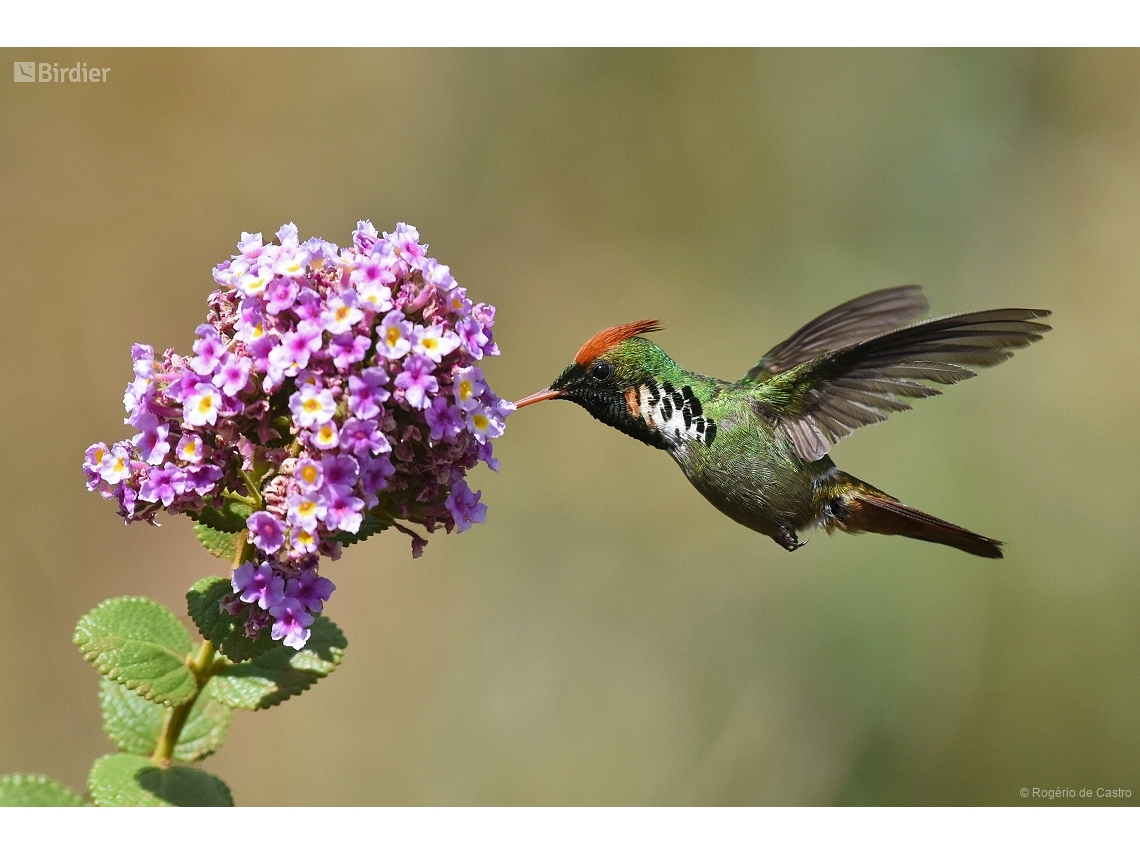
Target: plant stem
[201,665]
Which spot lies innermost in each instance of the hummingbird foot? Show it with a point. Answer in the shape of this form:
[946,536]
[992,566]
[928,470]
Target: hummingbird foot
[787,538]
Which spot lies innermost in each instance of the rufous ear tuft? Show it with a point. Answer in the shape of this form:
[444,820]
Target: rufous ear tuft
[607,338]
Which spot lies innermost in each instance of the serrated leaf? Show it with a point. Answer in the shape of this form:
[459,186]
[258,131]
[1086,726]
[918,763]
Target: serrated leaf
[277,676]
[368,527]
[230,517]
[36,791]
[142,645]
[134,724]
[226,632]
[220,544]
[127,780]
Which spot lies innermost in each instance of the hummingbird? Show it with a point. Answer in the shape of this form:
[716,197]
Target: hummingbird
[757,449]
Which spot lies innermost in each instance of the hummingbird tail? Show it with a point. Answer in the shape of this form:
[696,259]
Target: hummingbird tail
[863,508]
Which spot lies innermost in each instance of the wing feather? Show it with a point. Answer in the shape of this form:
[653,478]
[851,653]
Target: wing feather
[817,403]
[852,322]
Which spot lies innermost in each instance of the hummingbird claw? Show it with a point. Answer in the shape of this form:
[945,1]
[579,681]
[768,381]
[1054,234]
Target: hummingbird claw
[787,538]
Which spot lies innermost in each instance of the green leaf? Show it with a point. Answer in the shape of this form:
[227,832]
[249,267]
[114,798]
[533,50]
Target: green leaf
[36,791]
[368,527]
[230,517]
[134,724]
[225,631]
[277,676]
[220,544]
[127,780]
[142,645]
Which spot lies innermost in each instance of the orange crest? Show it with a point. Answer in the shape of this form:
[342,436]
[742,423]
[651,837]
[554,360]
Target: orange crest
[607,338]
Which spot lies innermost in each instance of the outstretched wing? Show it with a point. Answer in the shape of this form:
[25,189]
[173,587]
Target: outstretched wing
[817,403]
[853,322]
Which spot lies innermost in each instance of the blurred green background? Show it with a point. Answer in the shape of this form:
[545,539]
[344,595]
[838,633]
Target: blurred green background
[608,637]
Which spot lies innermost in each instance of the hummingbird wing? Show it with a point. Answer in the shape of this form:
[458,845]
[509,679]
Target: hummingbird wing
[817,403]
[852,322]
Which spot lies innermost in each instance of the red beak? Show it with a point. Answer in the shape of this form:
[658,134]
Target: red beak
[543,395]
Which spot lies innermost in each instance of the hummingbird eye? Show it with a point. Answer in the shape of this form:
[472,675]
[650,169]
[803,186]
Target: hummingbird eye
[601,371]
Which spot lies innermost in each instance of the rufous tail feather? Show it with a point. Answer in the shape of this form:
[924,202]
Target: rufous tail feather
[863,508]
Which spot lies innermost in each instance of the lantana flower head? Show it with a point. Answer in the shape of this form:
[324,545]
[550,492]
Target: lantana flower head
[333,392]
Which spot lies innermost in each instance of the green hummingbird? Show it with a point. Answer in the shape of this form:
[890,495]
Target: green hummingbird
[757,449]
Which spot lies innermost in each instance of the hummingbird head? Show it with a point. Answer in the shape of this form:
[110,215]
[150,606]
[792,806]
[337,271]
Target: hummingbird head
[606,376]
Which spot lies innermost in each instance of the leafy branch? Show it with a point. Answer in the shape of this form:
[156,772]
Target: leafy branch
[167,700]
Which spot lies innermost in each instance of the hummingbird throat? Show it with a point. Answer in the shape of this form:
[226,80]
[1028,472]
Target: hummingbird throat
[675,414]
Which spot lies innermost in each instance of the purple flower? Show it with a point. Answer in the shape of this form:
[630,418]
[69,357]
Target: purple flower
[434,342]
[469,387]
[472,336]
[285,400]
[306,511]
[258,584]
[343,313]
[438,275]
[151,442]
[310,590]
[163,484]
[302,542]
[417,381]
[341,471]
[465,506]
[348,349]
[93,461]
[293,353]
[394,337]
[310,307]
[308,474]
[209,348]
[325,437]
[485,423]
[485,455]
[201,479]
[444,419]
[250,245]
[232,373]
[362,437]
[280,294]
[291,263]
[291,624]
[457,302]
[189,448]
[253,284]
[376,268]
[406,242]
[374,475]
[366,392]
[266,531]
[312,406]
[116,465]
[342,510]
[202,405]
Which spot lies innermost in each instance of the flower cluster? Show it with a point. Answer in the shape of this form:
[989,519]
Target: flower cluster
[331,393]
